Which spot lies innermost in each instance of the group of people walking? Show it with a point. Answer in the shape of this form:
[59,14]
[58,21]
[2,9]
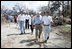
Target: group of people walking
[40,23]
[37,22]
[23,21]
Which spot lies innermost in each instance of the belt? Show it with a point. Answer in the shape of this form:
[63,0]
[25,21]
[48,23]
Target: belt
[46,25]
[38,24]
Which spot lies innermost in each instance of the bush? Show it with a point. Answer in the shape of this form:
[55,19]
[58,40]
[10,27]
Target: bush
[68,22]
[3,20]
[64,20]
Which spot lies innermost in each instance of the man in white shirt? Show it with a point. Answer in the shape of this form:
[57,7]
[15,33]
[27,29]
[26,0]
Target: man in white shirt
[47,20]
[27,21]
[21,19]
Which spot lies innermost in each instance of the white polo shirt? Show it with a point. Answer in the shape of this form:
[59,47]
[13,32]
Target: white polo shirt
[47,20]
[27,17]
[21,17]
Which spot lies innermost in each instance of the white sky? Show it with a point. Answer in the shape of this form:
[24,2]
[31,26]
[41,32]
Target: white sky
[30,4]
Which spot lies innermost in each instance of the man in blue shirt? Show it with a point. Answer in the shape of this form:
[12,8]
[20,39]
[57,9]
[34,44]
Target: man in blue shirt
[38,26]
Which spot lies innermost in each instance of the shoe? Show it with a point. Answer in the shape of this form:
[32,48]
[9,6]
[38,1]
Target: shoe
[21,33]
[45,41]
[47,37]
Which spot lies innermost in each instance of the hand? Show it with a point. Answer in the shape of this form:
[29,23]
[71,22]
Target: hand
[33,26]
[51,23]
[17,21]
[43,24]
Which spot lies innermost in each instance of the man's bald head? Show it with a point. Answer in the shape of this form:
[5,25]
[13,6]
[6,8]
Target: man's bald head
[38,14]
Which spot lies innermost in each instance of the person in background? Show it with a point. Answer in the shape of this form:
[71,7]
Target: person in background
[47,21]
[27,21]
[68,18]
[21,20]
[38,26]
[15,18]
[11,17]
[8,19]
[31,22]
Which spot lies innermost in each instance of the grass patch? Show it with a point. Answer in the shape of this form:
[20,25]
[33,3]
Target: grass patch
[68,29]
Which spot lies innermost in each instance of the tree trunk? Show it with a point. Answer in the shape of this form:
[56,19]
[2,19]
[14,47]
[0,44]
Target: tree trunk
[49,7]
[63,8]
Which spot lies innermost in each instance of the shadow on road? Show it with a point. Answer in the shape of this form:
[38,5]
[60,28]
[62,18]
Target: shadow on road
[26,33]
[12,34]
[18,34]
[31,42]
[34,43]
[23,41]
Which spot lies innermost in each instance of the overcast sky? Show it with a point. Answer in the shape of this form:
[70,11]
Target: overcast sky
[30,4]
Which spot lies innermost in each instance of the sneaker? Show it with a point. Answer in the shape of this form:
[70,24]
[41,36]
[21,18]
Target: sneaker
[45,41]
[21,33]
[47,37]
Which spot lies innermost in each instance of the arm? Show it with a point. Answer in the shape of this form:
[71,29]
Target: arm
[24,18]
[34,20]
[29,21]
[18,19]
[51,23]
[42,21]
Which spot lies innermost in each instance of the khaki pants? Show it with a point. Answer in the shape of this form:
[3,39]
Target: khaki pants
[38,31]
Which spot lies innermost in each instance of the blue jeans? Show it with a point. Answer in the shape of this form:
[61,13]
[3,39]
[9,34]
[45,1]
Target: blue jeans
[45,32]
[22,29]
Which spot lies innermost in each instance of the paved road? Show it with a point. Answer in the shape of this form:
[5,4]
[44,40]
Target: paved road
[10,38]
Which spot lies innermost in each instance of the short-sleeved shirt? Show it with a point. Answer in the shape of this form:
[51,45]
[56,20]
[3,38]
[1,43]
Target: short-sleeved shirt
[67,17]
[31,21]
[21,17]
[47,20]
[37,20]
[27,17]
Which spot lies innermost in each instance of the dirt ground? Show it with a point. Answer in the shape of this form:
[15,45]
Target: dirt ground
[10,38]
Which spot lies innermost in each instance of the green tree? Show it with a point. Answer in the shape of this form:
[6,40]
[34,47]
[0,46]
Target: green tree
[55,6]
